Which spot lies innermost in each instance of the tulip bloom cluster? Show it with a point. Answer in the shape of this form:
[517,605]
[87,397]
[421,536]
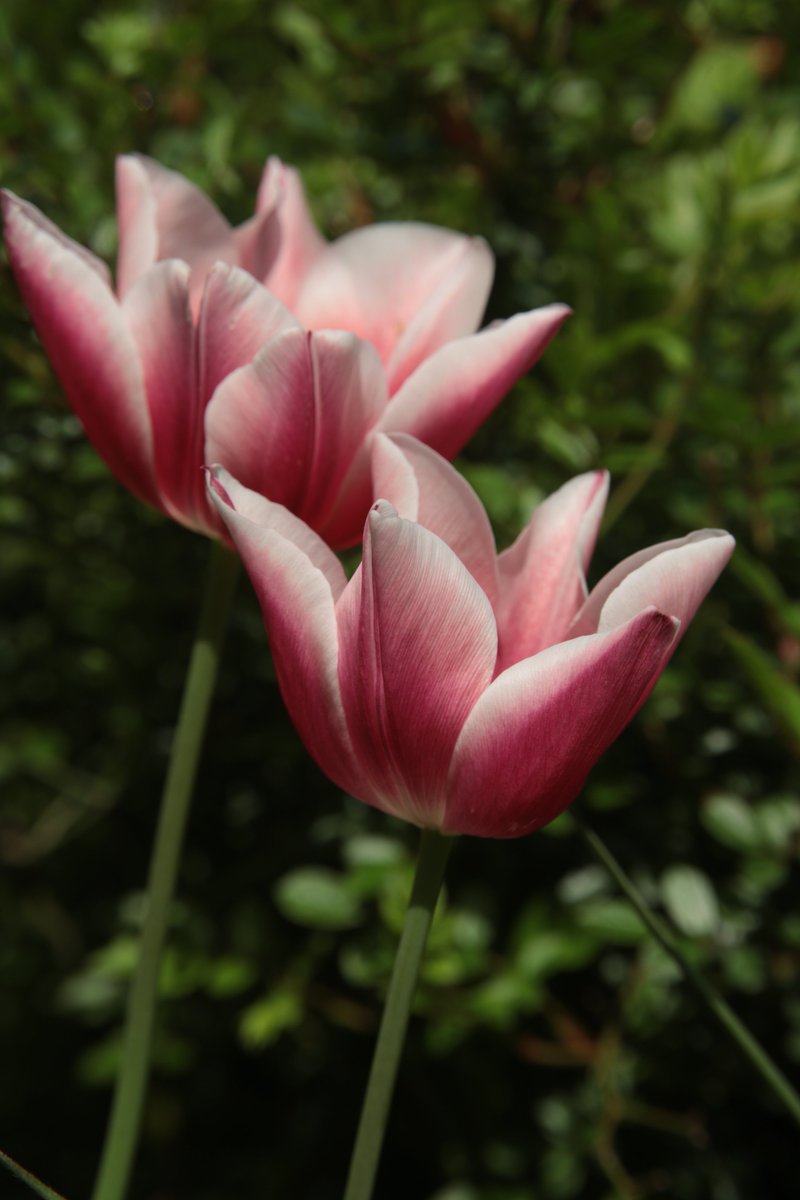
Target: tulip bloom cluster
[459,689]
[264,347]
[455,688]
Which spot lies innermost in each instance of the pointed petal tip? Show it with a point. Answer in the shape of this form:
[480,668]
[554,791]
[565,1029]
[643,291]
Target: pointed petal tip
[216,489]
[13,206]
[8,200]
[381,510]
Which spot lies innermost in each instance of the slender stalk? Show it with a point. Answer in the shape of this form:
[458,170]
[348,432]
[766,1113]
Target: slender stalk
[126,1112]
[41,1189]
[433,854]
[752,1049]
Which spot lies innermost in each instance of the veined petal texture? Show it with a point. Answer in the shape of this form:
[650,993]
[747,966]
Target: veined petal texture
[418,647]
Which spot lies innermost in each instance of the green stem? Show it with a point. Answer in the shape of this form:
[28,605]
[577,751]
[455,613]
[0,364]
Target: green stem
[41,1189]
[126,1112]
[758,1056]
[433,854]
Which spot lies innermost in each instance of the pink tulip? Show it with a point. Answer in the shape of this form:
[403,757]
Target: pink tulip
[448,686]
[197,357]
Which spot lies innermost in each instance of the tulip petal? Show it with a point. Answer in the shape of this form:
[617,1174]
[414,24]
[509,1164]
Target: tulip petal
[156,308]
[162,215]
[418,647]
[676,581]
[408,288]
[453,392]
[87,341]
[297,579]
[238,317]
[299,242]
[453,308]
[290,423]
[535,733]
[350,396]
[673,576]
[425,488]
[542,575]
[257,243]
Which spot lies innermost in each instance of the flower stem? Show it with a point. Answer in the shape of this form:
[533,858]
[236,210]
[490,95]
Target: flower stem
[36,1185]
[123,1128]
[770,1073]
[434,852]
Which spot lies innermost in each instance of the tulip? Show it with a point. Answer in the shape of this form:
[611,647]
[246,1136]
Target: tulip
[264,347]
[450,687]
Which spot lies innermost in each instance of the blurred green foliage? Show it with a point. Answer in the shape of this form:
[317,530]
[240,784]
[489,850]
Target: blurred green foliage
[641,162]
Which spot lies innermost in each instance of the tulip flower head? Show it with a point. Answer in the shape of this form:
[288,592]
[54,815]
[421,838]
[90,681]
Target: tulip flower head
[265,347]
[452,687]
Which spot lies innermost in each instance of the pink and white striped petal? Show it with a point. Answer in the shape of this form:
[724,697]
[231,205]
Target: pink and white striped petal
[452,309]
[87,340]
[297,579]
[418,649]
[424,487]
[238,317]
[405,287]
[674,576]
[156,308]
[162,215]
[299,243]
[542,575]
[449,396]
[350,396]
[257,243]
[289,423]
[535,733]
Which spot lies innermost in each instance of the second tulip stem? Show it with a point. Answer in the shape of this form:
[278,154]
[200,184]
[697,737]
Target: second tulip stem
[717,1004]
[433,855]
[123,1127]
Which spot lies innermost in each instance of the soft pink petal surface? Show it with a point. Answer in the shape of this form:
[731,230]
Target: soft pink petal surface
[407,288]
[542,576]
[299,243]
[450,395]
[238,317]
[674,576]
[297,579]
[156,308]
[257,243]
[418,648]
[87,341]
[533,736]
[162,215]
[290,423]
[424,487]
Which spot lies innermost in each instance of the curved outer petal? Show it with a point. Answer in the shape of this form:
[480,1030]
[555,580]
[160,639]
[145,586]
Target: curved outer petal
[297,580]
[408,288]
[258,240]
[674,576]
[453,308]
[156,308]
[162,215]
[424,487]
[533,736]
[445,400]
[84,333]
[542,576]
[453,392]
[257,243]
[418,647]
[299,243]
[290,423]
[238,317]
